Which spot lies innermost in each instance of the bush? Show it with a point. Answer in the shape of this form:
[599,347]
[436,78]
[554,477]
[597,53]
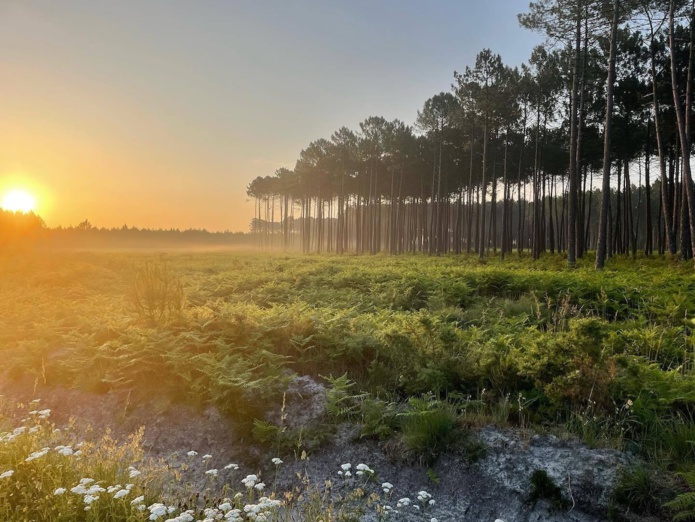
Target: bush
[155,293]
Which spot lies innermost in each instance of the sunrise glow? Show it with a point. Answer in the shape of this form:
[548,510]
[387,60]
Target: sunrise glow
[18,201]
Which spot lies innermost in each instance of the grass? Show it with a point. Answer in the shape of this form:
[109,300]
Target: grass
[606,355]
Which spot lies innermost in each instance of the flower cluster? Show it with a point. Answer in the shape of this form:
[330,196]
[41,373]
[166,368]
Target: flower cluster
[40,414]
[425,498]
[262,510]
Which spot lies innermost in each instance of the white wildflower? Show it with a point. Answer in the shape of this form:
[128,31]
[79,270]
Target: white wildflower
[363,468]
[157,510]
[37,454]
[211,472]
[59,491]
[121,493]
[423,496]
[192,453]
[7,474]
[138,500]
[346,467]
[232,466]
[79,490]
[249,481]
[260,486]
[207,457]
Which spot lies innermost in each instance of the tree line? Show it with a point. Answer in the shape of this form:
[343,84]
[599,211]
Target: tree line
[586,146]
[20,230]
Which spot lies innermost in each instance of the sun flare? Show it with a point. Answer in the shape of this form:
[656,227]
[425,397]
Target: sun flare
[18,201]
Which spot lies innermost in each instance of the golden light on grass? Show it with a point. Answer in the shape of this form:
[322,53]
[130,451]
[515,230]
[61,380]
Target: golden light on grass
[18,200]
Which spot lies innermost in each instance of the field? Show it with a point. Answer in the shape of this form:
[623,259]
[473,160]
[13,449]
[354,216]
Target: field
[418,351]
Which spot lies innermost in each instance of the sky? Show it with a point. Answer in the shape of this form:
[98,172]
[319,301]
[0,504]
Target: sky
[158,114]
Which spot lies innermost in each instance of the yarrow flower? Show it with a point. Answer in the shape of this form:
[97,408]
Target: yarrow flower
[405,501]
[387,487]
[249,481]
[192,453]
[277,461]
[7,474]
[260,486]
[363,468]
[211,472]
[121,493]
[157,510]
[37,454]
[41,414]
[207,457]
[346,467]
[423,496]
[59,491]
[64,450]
[232,466]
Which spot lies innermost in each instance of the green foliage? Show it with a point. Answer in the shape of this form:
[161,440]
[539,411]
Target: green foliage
[429,428]
[544,488]
[341,402]
[642,491]
[684,504]
[514,342]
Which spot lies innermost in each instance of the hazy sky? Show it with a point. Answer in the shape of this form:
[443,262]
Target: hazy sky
[159,113]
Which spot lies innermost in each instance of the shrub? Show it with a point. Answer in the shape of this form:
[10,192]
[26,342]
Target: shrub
[155,293]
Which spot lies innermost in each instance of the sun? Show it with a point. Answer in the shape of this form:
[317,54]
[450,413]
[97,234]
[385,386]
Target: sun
[18,201]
